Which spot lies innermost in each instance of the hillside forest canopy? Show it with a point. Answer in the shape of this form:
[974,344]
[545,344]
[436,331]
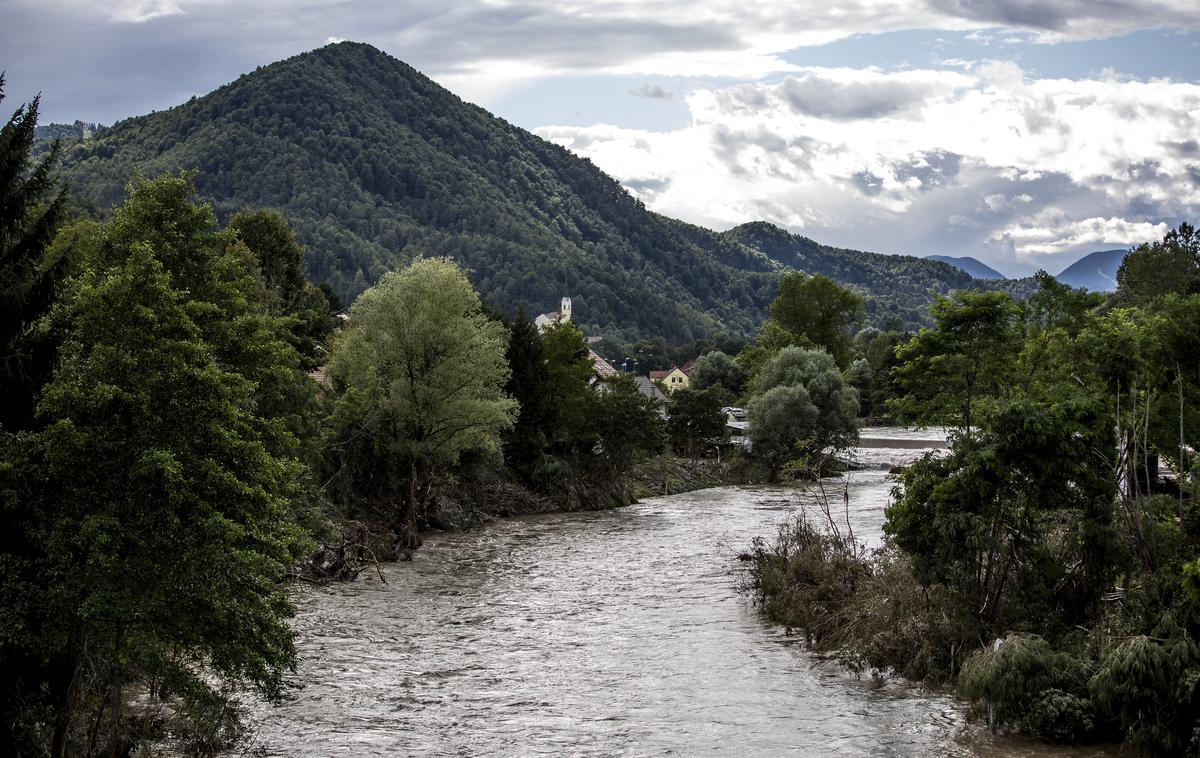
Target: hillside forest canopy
[373,165]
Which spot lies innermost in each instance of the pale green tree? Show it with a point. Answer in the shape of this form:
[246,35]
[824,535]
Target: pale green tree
[418,377]
[802,408]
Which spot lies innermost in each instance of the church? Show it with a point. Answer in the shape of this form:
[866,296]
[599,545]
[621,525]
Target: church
[553,317]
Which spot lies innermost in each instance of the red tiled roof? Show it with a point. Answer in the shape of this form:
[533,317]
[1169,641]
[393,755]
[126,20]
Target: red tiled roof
[659,374]
[687,367]
[602,368]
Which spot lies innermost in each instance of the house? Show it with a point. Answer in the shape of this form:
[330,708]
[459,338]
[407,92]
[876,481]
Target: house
[650,390]
[688,367]
[553,317]
[670,380]
[602,370]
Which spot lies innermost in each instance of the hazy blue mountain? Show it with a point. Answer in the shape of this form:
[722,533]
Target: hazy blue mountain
[1094,271]
[976,268]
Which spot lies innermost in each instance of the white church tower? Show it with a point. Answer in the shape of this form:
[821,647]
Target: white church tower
[564,313]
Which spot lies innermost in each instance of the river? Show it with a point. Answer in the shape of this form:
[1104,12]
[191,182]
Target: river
[612,633]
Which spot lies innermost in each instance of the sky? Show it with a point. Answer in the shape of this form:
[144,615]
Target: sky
[1020,132]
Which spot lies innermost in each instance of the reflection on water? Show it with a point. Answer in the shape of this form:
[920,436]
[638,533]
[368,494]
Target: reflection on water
[619,632]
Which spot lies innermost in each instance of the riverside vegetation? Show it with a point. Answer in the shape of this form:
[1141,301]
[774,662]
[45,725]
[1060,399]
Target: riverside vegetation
[170,456]
[1041,566]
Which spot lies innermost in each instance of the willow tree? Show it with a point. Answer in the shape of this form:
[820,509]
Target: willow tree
[802,409]
[418,378]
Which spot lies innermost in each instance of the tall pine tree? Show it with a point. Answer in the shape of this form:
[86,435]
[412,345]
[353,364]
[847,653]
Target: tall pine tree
[29,214]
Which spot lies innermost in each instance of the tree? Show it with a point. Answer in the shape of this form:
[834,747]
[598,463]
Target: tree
[418,376]
[976,520]
[625,426]
[819,309]
[1152,270]
[966,356]
[529,384]
[285,290]
[211,265]
[168,443]
[875,382]
[570,395]
[168,524]
[695,421]
[717,369]
[29,215]
[802,408]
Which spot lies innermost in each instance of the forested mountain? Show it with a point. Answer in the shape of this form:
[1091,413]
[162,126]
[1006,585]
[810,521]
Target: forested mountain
[1094,271]
[973,266]
[898,285]
[373,164]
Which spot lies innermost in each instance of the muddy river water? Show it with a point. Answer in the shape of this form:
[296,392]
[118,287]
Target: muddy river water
[614,633]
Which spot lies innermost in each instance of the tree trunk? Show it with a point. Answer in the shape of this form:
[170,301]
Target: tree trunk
[65,692]
[114,738]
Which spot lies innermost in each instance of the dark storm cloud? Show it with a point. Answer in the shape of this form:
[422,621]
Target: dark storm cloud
[818,96]
[868,183]
[1045,16]
[932,169]
[1184,149]
[94,68]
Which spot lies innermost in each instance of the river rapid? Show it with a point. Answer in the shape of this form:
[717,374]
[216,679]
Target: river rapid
[609,633]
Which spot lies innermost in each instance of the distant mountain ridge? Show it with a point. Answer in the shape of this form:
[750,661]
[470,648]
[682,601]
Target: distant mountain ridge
[900,284]
[373,163]
[976,268]
[1095,271]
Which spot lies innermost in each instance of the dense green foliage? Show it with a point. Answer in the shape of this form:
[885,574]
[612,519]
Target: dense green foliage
[718,370]
[579,438]
[29,217]
[278,261]
[820,311]
[801,409]
[1042,564]
[871,373]
[965,357]
[373,164]
[163,475]
[695,422]
[1152,270]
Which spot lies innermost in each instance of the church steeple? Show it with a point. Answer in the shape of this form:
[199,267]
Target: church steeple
[564,313]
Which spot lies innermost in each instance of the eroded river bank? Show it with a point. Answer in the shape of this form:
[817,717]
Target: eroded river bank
[600,633]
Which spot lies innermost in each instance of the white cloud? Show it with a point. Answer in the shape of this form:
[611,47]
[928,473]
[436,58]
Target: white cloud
[1052,231]
[918,160]
[140,11]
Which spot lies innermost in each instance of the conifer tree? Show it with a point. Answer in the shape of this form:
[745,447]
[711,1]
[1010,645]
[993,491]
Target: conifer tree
[29,214]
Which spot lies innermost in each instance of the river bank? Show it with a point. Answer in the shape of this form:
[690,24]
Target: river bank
[598,633]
